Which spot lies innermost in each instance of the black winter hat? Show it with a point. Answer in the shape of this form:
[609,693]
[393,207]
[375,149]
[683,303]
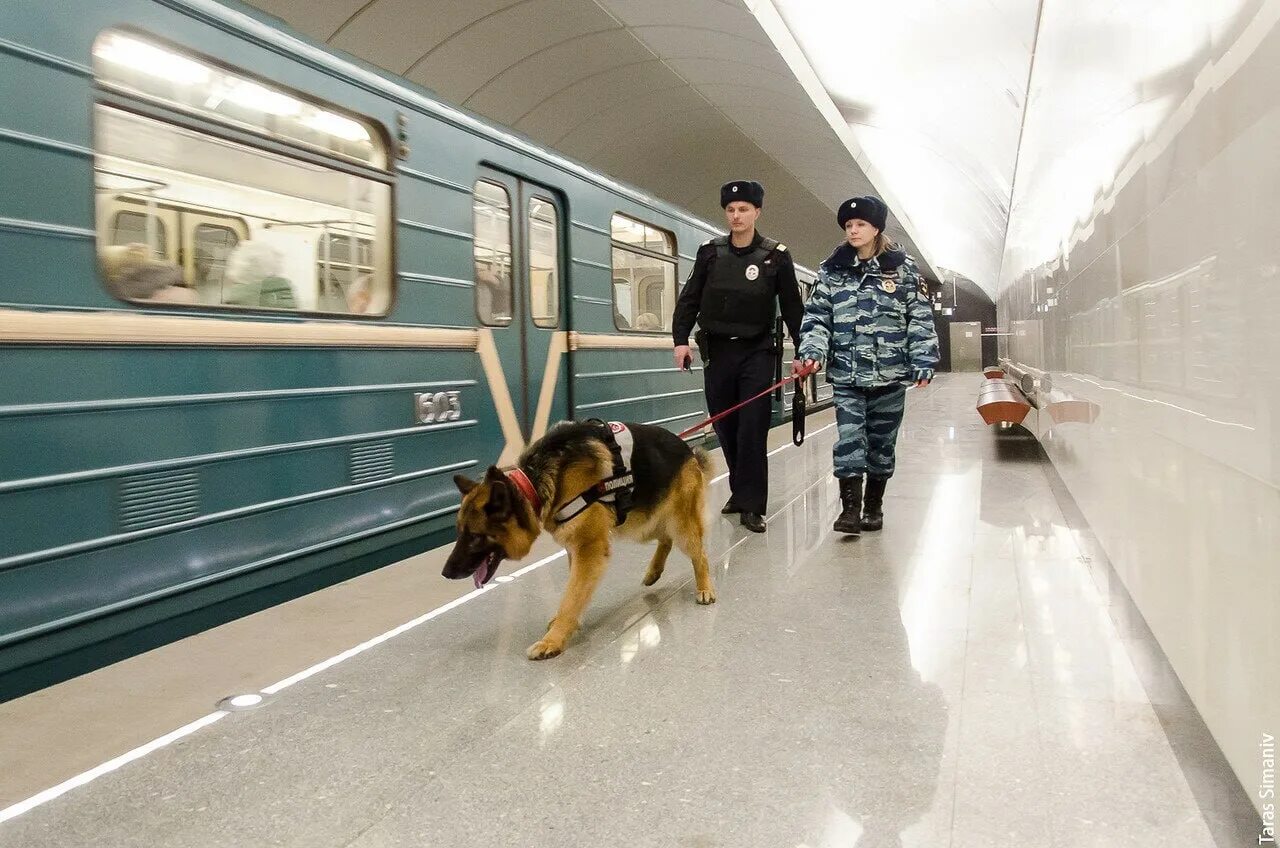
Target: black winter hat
[749,190]
[869,209]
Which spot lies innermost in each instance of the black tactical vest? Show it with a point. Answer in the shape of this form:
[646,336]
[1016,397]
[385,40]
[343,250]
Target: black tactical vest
[741,292]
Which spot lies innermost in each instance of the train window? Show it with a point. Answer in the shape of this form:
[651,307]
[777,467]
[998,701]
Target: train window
[491,209]
[252,220]
[544,262]
[644,276]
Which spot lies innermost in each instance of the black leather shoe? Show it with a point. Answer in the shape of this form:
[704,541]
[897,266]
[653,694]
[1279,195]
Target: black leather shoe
[753,521]
[730,508]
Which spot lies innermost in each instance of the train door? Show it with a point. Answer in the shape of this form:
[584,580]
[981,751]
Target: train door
[520,262]
[207,242]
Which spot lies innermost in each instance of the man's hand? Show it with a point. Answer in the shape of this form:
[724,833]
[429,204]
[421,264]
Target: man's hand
[684,358]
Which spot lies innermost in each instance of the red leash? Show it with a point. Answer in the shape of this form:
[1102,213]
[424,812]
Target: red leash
[713,419]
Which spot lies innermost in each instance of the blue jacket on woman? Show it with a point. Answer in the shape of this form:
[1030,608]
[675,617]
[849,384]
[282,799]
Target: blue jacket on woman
[868,321]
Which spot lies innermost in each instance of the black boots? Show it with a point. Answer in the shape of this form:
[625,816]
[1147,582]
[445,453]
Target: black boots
[850,520]
[873,505]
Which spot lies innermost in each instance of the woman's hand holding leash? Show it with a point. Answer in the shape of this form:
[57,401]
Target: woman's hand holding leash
[803,368]
[684,358]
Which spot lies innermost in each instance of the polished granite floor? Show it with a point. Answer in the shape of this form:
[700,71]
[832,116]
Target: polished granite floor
[970,676]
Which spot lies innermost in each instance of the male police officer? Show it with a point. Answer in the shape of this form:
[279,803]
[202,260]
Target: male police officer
[731,292]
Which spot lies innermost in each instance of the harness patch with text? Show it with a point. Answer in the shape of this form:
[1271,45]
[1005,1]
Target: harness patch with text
[617,489]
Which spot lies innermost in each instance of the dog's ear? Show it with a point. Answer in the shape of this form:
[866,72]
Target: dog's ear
[498,505]
[464,485]
[494,475]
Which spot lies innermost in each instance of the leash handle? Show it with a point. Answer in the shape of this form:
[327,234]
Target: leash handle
[797,416]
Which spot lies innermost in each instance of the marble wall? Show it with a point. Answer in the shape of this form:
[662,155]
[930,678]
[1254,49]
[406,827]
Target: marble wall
[1140,271]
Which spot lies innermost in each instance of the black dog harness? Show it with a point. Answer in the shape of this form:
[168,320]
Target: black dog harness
[615,491]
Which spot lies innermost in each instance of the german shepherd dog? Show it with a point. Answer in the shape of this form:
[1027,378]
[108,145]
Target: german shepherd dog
[502,515]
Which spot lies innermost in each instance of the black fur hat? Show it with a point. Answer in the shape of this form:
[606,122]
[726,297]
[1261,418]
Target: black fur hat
[869,209]
[749,190]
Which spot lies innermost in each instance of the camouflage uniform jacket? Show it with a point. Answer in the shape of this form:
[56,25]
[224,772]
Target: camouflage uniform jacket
[870,321]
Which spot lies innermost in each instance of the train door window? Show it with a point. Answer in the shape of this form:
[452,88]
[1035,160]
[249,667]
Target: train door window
[644,276]
[344,272]
[140,228]
[652,295]
[211,246]
[182,133]
[544,262]
[491,209]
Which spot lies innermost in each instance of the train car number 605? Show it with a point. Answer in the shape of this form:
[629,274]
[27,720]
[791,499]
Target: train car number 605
[437,407]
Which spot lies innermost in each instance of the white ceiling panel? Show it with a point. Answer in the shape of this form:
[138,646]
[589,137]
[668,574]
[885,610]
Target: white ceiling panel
[318,20]
[472,58]
[725,16]
[401,32]
[774,87]
[702,43]
[623,122]
[521,88]
[585,99]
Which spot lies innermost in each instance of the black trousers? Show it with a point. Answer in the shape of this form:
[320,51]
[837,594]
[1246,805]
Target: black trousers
[739,369]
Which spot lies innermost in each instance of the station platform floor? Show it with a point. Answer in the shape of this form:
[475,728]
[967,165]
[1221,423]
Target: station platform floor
[972,675]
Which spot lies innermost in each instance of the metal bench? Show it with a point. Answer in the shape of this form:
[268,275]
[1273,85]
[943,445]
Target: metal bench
[1064,408]
[1032,381]
[1002,402]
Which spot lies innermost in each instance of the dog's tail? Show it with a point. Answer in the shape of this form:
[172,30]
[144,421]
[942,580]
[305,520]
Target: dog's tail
[704,462]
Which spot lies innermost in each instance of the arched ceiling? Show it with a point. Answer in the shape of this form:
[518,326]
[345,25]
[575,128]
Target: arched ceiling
[673,96]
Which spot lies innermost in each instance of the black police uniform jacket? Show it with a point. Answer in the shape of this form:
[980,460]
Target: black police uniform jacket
[732,291]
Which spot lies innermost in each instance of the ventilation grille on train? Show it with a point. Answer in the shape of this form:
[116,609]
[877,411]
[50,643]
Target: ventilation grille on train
[372,462]
[151,500]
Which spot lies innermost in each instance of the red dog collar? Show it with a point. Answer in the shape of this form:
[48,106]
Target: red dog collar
[525,485]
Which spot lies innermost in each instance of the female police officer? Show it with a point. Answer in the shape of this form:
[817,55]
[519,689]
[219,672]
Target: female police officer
[870,321]
[731,292]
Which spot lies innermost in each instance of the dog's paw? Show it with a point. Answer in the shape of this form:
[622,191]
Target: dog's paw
[544,649]
[707,597]
[651,576]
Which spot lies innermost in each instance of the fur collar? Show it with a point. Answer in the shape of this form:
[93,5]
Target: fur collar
[845,257]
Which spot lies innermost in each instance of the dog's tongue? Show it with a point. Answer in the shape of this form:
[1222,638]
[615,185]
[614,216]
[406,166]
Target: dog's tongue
[485,571]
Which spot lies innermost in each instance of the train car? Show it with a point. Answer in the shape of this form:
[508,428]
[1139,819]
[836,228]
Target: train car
[259,302]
